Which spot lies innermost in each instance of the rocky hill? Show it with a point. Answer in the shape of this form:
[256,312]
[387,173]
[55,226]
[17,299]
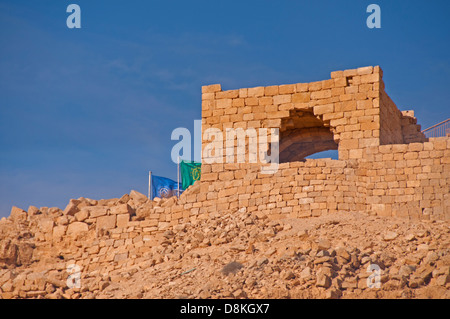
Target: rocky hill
[233,254]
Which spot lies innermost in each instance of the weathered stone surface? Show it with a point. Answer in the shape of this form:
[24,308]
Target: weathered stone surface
[97,211]
[169,202]
[106,222]
[321,260]
[72,207]
[121,256]
[289,275]
[322,280]
[124,199]
[343,253]
[310,230]
[139,197]
[59,231]
[62,220]
[390,235]
[8,252]
[232,267]
[46,225]
[323,244]
[82,215]
[25,253]
[122,220]
[121,209]
[144,211]
[305,273]
[77,228]
[33,210]
[56,282]
[17,214]
[442,280]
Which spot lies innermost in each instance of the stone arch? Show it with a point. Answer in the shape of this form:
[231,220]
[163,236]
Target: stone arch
[303,134]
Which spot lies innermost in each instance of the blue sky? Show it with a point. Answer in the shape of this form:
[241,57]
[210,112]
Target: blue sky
[88,112]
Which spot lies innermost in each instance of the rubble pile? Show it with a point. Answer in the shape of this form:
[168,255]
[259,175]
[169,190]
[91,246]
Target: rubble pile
[230,255]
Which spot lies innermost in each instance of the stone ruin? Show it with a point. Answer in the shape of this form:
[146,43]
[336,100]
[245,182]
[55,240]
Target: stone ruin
[386,167]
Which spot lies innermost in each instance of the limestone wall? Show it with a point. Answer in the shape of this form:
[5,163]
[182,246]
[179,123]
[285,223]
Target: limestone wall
[348,105]
[401,180]
[386,167]
[409,180]
[390,121]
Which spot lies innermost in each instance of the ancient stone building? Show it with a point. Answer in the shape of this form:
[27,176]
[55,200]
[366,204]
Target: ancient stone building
[386,166]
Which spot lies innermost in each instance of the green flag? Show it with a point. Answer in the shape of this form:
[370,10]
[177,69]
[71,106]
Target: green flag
[190,172]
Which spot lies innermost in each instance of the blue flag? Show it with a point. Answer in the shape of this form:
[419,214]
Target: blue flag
[164,187]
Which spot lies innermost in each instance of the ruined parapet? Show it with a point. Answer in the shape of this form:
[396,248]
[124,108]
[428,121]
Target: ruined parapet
[410,129]
[386,166]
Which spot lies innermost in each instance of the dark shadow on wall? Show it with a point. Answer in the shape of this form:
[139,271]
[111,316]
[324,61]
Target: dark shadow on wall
[302,135]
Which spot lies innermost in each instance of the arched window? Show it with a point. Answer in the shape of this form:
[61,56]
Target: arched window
[304,134]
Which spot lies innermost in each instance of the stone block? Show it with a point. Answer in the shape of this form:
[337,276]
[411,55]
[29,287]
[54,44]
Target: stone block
[349,144]
[72,207]
[59,231]
[355,154]
[97,211]
[281,99]
[364,70]
[240,102]
[223,103]
[302,97]
[324,109]
[336,74]
[440,144]
[370,78]
[255,91]
[271,90]
[322,94]
[230,94]
[32,210]
[106,222]
[350,72]
[251,101]
[82,215]
[17,214]
[211,88]
[243,93]
[121,209]
[315,86]
[340,82]
[286,89]
[302,87]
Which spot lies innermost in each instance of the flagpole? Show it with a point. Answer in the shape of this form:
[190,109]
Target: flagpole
[178,177]
[149,184]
